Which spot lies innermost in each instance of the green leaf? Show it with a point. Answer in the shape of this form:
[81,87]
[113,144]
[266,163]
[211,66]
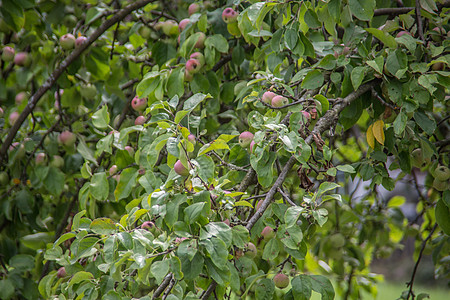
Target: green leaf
[314,79]
[290,38]
[325,187]
[424,122]
[346,168]
[321,216]
[193,101]
[442,213]
[400,123]
[217,41]
[271,250]
[240,236]
[323,286]
[86,152]
[159,270]
[100,118]
[79,277]
[63,238]
[362,9]
[265,289]
[126,183]
[324,103]
[54,181]
[357,76]
[193,212]
[292,214]
[384,37]
[103,226]
[218,251]
[99,187]
[301,287]
[214,145]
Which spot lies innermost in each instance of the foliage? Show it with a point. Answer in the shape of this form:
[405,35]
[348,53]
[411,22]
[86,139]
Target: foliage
[91,130]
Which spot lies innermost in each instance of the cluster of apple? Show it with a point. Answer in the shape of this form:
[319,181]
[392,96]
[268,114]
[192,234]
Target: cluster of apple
[68,41]
[139,105]
[230,16]
[274,100]
[22,59]
[194,64]
[246,140]
[440,173]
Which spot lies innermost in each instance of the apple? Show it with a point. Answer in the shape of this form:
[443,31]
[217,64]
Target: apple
[67,138]
[417,158]
[183,24]
[61,272]
[306,115]
[88,91]
[70,21]
[8,53]
[57,161]
[199,57]
[113,170]
[191,138]
[193,8]
[442,173]
[267,97]
[1,112]
[40,159]
[252,145]
[20,97]
[180,169]
[438,66]
[279,101]
[229,15]
[201,41]
[67,41]
[80,40]
[145,32]
[13,117]
[227,221]
[130,150]
[139,104]
[281,280]
[259,205]
[20,149]
[148,225]
[245,138]
[4,178]
[22,59]
[170,27]
[251,250]
[440,185]
[193,66]
[337,240]
[267,233]
[233,29]
[403,32]
[139,120]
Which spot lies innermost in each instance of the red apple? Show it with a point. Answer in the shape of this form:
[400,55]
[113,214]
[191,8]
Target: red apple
[22,59]
[139,120]
[79,41]
[113,170]
[180,169]
[193,66]
[229,15]
[67,138]
[279,101]
[13,117]
[20,97]
[281,280]
[267,97]
[199,57]
[8,54]
[245,138]
[183,24]
[61,272]
[201,41]
[193,8]
[40,159]
[139,104]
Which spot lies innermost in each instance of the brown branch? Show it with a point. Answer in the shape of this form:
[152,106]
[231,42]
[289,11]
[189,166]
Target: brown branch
[419,20]
[60,70]
[162,286]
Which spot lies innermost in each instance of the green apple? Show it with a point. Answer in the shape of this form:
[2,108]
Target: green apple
[442,173]
[281,280]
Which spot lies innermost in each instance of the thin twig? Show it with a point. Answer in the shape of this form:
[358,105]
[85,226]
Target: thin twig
[419,20]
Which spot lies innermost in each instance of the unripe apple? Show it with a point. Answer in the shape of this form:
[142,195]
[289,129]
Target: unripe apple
[306,115]
[130,150]
[183,24]
[88,91]
[417,158]
[251,250]
[70,21]
[233,29]
[337,240]
[61,272]
[440,185]
[145,32]
[139,104]
[57,161]
[170,27]
[67,41]
[279,101]
[4,178]
[13,117]
[188,76]
[193,66]
[267,97]
[229,15]
[403,32]
[191,138]
[148,225]
[22,59]
[67,138]
[180,169]
[139,120]
[80,40]
[281,280]
[199,57]
[193,8]
[40,159]
[201,41]
[245,138]
[267,233]
[252,146]
[442,173]
[20,97]
[8,53]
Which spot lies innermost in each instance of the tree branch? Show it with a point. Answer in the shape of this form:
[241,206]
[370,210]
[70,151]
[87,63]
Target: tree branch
[60,70]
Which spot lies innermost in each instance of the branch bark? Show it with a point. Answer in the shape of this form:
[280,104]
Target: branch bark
[60,70]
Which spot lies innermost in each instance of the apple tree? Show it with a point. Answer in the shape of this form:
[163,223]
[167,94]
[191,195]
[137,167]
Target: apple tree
[220,149]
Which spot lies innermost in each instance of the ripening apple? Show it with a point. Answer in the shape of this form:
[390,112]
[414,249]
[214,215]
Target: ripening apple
[40,159]
[130,150]
[67,138]
[281,280]
[1,112]
[145,32]
[67,41]
[57,162]
[61,272]
[403,32]
[440,185]
[279,101]
[183,24]
[229,15]
[442,173]
[8,54]
[22,59]
[80,40]
[193,8]
[148,225]
[306,115]
[437,33]
[140,120]
[227,221]
[193,66]
[438,66]
[199,57]
[20,97]
[191,138]
[180,169]
[113,170]
[13,117]
[252,146]
[201,41]
[245,138]
[267,97]
[139,104]
[170,27]
[251,250]
[267,233]
[417,158]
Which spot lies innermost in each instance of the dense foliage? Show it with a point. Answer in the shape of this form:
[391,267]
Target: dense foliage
[219,148]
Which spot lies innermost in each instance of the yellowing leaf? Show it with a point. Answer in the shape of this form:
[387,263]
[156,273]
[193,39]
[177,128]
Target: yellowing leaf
[243,203]
[378,131]
[369,137]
